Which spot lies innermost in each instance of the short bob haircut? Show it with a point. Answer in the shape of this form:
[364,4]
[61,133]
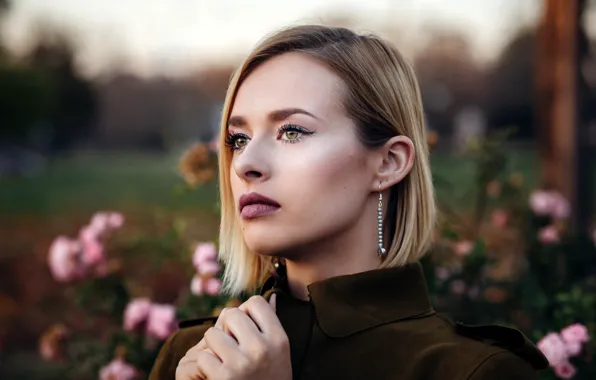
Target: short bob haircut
[383,99]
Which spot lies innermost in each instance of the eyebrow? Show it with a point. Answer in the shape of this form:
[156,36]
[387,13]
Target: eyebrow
[277,115]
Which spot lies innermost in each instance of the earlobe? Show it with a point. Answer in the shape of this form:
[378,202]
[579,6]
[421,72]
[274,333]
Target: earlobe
[397,162]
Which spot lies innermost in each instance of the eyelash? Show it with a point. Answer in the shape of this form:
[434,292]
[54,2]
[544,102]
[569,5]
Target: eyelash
[232,138]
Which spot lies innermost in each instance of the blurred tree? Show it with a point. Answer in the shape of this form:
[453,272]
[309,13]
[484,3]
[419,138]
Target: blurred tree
[148,113]
[586,49]
[563,106]
[511,86]
[45,89]
[25,99]
[74,107]
[449,77]
[25,95]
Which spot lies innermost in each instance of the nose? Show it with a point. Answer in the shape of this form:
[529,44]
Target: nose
[251,165]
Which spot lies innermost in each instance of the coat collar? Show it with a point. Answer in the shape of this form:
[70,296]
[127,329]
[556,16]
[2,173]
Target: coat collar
[348,304]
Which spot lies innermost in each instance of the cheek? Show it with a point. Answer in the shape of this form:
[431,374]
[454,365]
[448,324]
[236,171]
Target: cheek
[328,175]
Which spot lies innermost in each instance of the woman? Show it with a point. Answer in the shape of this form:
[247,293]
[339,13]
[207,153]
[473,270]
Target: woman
[325,183]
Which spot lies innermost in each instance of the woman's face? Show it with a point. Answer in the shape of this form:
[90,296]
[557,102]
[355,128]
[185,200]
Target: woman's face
[294,145]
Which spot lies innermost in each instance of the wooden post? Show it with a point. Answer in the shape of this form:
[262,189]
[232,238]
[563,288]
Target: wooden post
[558,126]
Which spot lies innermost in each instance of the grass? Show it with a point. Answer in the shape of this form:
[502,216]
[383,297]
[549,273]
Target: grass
[88,182]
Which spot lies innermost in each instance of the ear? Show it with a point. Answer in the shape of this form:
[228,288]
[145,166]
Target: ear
[396,161]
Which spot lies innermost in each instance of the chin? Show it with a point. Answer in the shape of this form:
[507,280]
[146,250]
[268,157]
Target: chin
[265,246]
[266,240]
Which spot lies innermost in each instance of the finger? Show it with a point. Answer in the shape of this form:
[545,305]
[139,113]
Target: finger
[262,314]
[223,346]
[202,346]
[191,353]
[273,301]
[187,366]
[189,370]
[220,322]
[241,327]
[208,365]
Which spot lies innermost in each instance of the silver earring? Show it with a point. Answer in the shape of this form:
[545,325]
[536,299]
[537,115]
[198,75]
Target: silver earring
[380,250]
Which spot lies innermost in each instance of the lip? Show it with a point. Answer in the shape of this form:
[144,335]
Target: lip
[253,205]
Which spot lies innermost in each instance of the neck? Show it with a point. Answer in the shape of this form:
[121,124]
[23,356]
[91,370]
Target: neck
[351,251]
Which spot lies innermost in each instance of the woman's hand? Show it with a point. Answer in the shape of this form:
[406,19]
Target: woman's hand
[246,343]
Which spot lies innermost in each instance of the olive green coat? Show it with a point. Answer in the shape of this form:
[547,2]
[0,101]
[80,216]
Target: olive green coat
[377,325]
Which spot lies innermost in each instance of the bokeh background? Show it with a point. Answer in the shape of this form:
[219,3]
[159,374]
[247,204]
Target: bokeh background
[108,199]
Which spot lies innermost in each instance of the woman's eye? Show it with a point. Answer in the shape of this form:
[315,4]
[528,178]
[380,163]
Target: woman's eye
[237,141]
[293,133]
[241,142]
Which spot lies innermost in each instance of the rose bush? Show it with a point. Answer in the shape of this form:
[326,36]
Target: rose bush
[506,257]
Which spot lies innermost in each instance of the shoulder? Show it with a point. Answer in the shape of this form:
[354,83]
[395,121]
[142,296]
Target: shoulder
[503,365]
[442,349]
[190,333]
[506,344]
[493,352]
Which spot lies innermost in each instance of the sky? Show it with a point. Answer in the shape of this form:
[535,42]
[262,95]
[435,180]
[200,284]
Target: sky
[154,36]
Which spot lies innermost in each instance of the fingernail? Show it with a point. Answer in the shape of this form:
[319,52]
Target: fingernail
[273,301]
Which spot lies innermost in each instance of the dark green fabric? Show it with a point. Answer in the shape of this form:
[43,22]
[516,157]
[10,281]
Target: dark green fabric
[378,325]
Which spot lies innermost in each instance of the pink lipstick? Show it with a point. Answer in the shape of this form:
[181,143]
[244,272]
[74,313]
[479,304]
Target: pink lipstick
[254,205]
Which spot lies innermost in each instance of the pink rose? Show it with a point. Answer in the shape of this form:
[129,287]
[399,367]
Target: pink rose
[196,286]
[463,248]
[136,313]
[213,286]
[541,202]
[565,370]
[549,203]
[88,233]
[548,235]
[118,369]
[575,333]
[200,286]
[161,321]
[560,206]
[93,252]
[204,252]
[553,348]
[63,259]
[500,218]
[573,348]
[115,220]
[100,222]
[105,221]
[208,268]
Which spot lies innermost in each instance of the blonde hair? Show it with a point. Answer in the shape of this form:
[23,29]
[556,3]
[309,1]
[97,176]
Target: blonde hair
[383,99]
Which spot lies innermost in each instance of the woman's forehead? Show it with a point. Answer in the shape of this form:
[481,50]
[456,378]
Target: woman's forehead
[289,81]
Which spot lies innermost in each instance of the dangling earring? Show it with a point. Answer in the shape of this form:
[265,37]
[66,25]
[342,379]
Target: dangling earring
[279,269]
[380,250]
[276,263]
